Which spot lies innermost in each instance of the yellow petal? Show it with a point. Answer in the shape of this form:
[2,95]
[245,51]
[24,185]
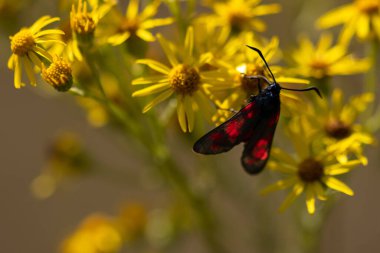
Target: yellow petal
[189,110]
[29,71]
[310,199]
[151,90]
[283,156]
[150,10]
[297,190]
[145,35]
[262,10]
[338,185]
[11,61]
[168,49]
[279,185]
[150,80]
[362,27]
[151,23]
[42,22]
[160,98]
[337,16]
[119,38]
[181,114]
[159,67]
[17,77]
[132,9]
[189,44]
[49,32]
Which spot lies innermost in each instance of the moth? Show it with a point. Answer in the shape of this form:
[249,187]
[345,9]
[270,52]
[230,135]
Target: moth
[254,125]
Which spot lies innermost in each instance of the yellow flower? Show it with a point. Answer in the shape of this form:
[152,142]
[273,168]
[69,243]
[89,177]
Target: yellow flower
[361,17]
[138,24]
[325,59]
[66,158]
[186,79]
[58,74]
[28,50]
[337,121]
[242,63]
[133,219]
[239,15]
[97,233]
[311,171]
[84,22]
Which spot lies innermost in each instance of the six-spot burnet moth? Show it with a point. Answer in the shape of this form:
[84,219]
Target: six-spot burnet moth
[254,125]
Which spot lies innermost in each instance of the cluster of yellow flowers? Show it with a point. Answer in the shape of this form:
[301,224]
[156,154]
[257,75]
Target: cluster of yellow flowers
[206,71]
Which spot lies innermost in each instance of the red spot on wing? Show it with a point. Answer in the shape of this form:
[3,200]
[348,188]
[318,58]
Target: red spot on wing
[233,129]
[260,151]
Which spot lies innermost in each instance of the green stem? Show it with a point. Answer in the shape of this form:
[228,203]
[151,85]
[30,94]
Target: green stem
[370,78]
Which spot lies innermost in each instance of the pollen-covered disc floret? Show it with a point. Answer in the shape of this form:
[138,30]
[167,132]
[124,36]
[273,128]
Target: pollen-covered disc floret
[184,79]
[310,170]
[22,42]
[58,74]
[81,21]
[338,129]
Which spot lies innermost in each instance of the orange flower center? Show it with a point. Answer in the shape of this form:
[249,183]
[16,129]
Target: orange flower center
[184,79]
[130,25]
[310,170]
[337,129]
[368,6]
[237,20]
[22,42]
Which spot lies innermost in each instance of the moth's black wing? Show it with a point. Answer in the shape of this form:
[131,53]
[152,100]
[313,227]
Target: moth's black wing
[239,128]
[257,149]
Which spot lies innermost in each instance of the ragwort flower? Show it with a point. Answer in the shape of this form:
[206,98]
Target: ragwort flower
[342,134]
[138,24]
[186,79]
[326,59]
[361,17]
[311,171]
[239,15]
[28,50]
[243,64]
[97,233]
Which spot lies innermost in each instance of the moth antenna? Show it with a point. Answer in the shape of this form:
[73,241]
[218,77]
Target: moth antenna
[307,89]
[262,57]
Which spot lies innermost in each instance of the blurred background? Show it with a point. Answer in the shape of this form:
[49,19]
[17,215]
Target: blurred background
[32,117]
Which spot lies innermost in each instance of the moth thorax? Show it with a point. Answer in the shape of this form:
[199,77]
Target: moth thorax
[184,79]
[337,129]
[310,170]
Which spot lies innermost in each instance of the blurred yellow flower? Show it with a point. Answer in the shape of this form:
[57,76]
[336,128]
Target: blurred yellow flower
[311,170]
[361,17]
[66,157]
[240,15]
[338,121]
[326,59]
[28,50]
[83,22]
[138,24]
[96,234]
[184,78]
[132,220]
